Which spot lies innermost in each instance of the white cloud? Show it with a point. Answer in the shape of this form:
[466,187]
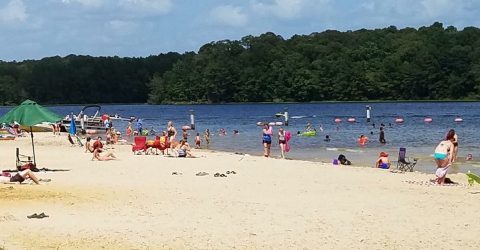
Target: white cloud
[86,3]
[287,9]
[229,15]
[14,11]
[154,7]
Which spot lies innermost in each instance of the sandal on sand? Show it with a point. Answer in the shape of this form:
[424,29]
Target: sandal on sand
[216,175]
[201,174]
[233,172]
[223,175]
[45,180]
[37,216]
[228,172]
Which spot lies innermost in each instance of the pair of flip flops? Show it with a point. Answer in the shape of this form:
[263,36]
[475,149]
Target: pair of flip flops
[219,175]
[201,174]
[231,172]
[177,173]
[37,216]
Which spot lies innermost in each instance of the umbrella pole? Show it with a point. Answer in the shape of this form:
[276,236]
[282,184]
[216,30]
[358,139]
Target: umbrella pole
[33,146]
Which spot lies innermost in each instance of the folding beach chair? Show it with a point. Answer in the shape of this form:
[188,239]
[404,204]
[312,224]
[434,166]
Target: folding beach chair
[403,163]
[139,144]
[23,160]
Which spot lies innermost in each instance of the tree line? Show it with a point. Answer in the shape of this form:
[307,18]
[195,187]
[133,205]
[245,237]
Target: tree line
[429,63]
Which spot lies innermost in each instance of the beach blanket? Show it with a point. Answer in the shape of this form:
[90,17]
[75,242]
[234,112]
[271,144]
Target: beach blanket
[288,136]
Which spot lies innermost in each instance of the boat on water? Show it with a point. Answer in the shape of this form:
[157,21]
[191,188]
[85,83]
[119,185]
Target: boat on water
[41,127]
[90,124]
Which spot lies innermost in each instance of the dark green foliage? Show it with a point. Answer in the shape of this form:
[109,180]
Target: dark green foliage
[429,63]
[82,79]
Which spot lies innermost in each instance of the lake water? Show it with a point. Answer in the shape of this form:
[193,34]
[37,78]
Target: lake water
[419,137]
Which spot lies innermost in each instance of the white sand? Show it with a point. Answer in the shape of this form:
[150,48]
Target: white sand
[136,203]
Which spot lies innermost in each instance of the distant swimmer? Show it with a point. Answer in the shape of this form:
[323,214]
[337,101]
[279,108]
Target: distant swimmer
[362,140]
[381,138]
[327,138]
[235,132]
[309,127]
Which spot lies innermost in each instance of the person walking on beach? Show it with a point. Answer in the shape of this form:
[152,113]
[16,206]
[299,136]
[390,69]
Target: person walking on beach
[266,139]
[381,138]
[443,157]
[282,141]
[197,141]
[206,136]
[172,132]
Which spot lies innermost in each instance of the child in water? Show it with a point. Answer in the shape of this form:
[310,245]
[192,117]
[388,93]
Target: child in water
[362,140]
[197,141]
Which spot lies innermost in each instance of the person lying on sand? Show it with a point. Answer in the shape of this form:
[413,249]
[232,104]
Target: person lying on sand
[107,157]
[20,177]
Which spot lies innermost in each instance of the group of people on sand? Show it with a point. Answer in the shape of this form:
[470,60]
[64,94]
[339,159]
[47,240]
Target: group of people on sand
[445,155]
[97,150]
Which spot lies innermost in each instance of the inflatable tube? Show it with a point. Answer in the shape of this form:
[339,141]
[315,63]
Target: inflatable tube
[278,123]
[309,133]
[271,124]
[351,120]
[186,127]
[338,120]
[288,136]
[458,119]
[260,123]
[399,120]
[428,119]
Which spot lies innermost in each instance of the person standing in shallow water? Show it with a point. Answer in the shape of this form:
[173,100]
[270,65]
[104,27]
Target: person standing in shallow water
[382,136]
[266,139]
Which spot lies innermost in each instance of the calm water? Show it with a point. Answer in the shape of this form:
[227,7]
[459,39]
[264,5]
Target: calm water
[418,137]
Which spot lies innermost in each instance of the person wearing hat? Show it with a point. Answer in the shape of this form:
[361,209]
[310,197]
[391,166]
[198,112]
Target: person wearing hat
[383,161]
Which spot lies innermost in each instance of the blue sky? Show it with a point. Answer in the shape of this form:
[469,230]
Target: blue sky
[33,29]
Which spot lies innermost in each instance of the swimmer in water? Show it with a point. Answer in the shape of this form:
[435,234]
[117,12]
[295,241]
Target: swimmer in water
[362,140]
[327,138]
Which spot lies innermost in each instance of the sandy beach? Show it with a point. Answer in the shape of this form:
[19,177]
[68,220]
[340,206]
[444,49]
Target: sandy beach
[136,203]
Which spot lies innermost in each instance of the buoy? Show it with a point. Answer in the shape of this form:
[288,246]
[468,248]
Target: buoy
[338,120]
[428,119]
[351,120]
[399,120]
[186,127]
[458,119]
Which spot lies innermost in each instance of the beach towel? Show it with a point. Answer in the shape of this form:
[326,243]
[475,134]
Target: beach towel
[288,136]
[441,172]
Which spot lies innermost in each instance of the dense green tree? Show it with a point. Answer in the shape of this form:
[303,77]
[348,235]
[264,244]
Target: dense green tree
[429,63]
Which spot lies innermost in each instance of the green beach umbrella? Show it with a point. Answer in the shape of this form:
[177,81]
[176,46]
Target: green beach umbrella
[29,113]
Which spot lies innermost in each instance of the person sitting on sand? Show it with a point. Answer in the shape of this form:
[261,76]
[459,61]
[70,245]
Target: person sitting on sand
[444,156]
[88,145]
[184,149]
[107,157]
[383,161]
[20,177]
[98,144]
